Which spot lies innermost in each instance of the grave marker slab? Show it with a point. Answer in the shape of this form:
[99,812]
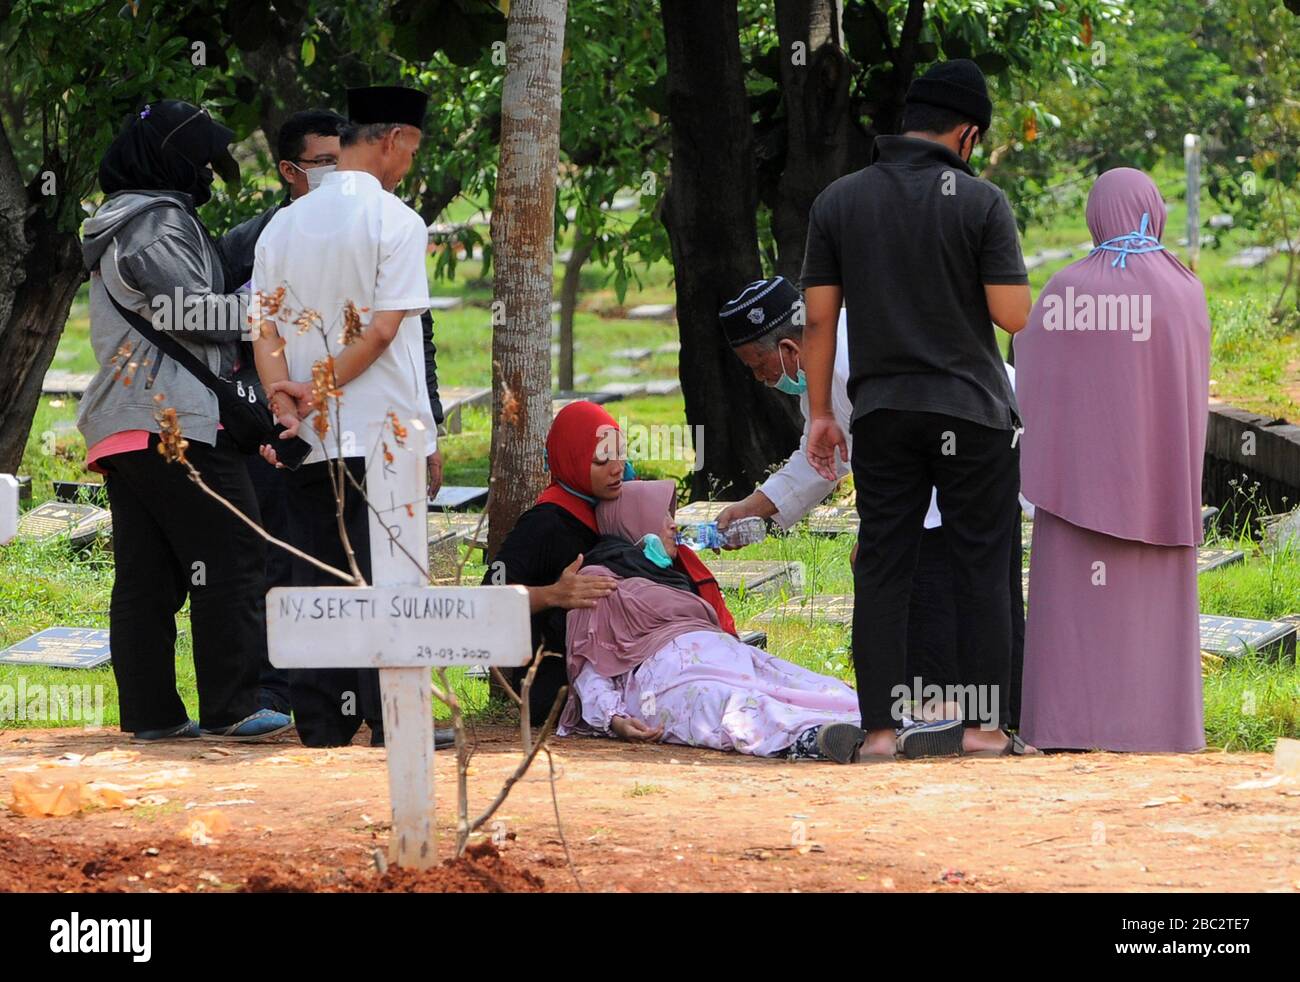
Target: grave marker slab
[1251,257]
[9,493]
[445,303]
[757,639]
[444,551]
[623,390]
[81,523]
[1208,558]
[59,383]
[663,387]
[669,348]
[759,576]
[652,311]
[455,497]
[698,512]
[457,398]
[24,487]
[631,354]
[1230,636]
[1207,516]
[829,608]
[463,523]
[833,520]
[61,647]
[619,371]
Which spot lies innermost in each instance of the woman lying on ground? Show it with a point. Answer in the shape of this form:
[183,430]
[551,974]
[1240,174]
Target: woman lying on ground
[654,661]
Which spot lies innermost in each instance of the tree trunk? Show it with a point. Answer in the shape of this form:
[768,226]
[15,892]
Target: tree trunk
[582,249]
[523,241]
[709,212]
[822,142]
[40,270]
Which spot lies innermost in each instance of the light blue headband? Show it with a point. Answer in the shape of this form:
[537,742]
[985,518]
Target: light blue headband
[1130,244]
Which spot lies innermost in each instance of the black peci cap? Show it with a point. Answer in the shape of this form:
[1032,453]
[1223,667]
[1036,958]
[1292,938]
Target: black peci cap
[762,306]
[387,104]
[958,85]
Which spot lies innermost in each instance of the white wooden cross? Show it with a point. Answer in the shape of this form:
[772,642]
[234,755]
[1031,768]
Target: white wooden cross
[404,628]
[8,508]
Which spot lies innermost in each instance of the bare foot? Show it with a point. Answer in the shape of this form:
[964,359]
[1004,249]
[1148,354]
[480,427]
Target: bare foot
[880,742]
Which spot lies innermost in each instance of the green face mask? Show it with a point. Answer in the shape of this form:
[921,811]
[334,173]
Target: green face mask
[653,548]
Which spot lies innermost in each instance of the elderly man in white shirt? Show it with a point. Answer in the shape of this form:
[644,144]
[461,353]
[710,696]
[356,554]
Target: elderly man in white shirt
[354,254]
[764,325]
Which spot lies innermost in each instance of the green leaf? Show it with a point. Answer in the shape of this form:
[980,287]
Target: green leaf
[308,51]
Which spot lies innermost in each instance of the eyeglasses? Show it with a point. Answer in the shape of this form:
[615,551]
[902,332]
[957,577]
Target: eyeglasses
[324,160]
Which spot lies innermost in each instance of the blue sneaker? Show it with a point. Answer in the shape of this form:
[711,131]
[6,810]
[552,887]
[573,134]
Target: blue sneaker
[189,730]
[262,724]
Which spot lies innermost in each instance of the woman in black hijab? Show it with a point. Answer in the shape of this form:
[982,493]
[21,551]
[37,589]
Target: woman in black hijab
[146,249]
[169,146]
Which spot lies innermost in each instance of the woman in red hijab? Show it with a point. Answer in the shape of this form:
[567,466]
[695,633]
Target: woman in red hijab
[543,552]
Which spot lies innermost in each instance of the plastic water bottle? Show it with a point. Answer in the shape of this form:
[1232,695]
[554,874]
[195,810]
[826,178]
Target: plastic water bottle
[707,535]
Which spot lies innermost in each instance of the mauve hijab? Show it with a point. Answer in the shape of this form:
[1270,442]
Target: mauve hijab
[638,511]
[1114,434]
[640,616]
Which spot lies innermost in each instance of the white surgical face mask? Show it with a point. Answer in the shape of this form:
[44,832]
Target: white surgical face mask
[314,175]
[317,174]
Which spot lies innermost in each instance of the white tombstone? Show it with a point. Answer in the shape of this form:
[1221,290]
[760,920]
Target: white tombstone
[8,508]
[404,628]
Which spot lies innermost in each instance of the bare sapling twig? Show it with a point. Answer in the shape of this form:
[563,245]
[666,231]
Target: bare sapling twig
[559,825]
[524,764]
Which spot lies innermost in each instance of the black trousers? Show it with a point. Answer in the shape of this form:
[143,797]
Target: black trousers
[932,620]
[329,704]
[170,541]
[898,455]
[271,487]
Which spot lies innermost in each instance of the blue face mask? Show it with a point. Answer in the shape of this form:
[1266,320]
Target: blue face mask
[790,386]
[653,548]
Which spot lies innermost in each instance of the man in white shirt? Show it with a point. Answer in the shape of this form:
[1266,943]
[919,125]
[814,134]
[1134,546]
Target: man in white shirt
[354,254]
[764,325]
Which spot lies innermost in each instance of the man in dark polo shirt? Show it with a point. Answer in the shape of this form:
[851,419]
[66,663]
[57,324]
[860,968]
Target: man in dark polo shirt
[925,258]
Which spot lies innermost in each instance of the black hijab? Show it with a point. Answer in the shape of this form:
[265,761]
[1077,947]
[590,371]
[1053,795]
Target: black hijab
[169,146]
[626,559]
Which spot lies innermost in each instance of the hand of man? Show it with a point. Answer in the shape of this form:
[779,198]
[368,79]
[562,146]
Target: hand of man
[757,505]
[299,392]
[435,473]
[634,730]
[825,438]
[573,590]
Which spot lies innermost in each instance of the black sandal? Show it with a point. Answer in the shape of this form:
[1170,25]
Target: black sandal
[1015,747]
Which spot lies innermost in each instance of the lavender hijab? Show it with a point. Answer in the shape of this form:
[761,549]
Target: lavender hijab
[640,616]
[1112,377]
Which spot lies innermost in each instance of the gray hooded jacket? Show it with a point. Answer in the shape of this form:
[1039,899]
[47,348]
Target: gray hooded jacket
[149,250]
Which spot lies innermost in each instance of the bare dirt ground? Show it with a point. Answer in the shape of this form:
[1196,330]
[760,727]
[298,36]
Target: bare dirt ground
[655,818]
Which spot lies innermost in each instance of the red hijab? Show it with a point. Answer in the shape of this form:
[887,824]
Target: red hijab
[575,433]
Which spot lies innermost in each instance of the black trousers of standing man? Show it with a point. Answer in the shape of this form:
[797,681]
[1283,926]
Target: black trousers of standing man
[172,541]
[329,704]
[898,455]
